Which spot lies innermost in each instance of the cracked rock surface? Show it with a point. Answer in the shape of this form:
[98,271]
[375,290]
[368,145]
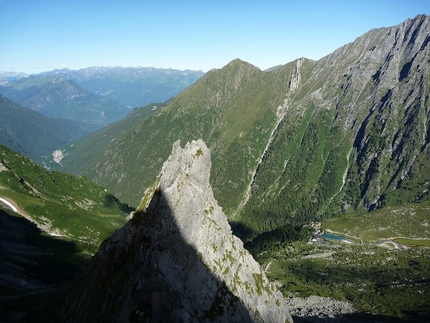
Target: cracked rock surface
[176,259]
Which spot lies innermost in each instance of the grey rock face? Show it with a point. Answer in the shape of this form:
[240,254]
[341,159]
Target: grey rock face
[319,307]
[176,260]
[383,91]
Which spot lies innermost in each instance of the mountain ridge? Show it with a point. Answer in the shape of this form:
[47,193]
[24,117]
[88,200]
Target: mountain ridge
[131,86]
[301,142]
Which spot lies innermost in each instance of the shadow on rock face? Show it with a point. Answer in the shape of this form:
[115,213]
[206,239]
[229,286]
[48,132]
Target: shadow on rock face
[176,260]
[146,271]
[32,266]
[29,259]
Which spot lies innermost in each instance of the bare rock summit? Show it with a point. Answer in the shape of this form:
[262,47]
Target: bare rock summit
[176,259]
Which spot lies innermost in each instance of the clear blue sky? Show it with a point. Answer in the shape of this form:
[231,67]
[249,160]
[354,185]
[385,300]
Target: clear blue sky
[42,35]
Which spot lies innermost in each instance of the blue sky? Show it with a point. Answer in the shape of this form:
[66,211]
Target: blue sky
[42,35]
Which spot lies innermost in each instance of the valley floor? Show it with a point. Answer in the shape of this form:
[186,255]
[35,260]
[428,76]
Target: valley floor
[329,278]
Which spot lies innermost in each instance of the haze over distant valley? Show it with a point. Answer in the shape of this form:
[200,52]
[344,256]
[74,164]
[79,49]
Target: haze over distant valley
[96,95]
[68,105]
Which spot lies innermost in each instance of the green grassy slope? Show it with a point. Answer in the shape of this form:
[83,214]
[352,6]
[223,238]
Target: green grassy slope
[229,109]
[60,221]
[86,152]
[61,204]
[378,273]
[304,141]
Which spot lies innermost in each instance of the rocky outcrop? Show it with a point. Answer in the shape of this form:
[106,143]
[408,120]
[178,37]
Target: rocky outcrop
[296,77]
[176,260]
[316,308]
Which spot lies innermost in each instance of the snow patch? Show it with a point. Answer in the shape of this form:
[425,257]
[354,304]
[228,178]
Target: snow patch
[9,204]
[58,156]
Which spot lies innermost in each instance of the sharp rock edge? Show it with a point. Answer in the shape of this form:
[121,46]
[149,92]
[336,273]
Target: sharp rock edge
[176,259]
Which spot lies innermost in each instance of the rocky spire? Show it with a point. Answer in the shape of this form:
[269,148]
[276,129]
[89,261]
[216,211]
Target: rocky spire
[176,260]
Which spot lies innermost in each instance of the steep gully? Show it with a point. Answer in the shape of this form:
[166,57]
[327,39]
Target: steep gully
[280,116]
[281,112]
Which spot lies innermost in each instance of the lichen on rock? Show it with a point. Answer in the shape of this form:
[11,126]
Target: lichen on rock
[176,260]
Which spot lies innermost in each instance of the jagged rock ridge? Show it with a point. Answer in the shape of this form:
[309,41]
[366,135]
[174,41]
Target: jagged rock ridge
[176,260]
[306,140]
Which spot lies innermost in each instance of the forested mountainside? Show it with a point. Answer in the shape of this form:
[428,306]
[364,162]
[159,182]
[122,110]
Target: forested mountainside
[300,142]
[34,135]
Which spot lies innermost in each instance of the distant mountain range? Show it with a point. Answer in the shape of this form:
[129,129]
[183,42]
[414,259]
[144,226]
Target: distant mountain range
[89,99]
[131,86]
[6,77]
[95,95]
[63,98]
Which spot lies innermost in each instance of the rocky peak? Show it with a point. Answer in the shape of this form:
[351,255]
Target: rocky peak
[176,260]
[296,77]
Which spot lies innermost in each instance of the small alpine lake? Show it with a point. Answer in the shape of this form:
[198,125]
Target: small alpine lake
[335,237]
